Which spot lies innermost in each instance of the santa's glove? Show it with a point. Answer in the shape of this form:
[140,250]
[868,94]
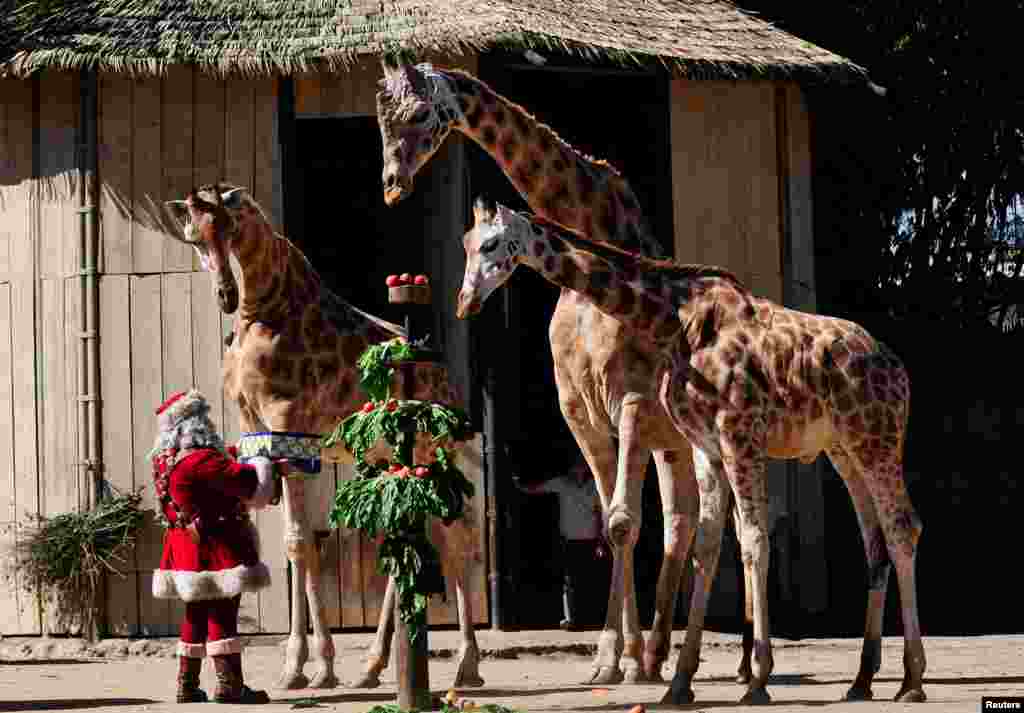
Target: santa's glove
[265,483]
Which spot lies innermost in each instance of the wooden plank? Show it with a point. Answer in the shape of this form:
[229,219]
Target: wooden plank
[208,143]
[687,120]
[176,324]
[147,394]
[266,167]
[26,452]
[72,368]
[118,442]
[176,128]
[58,114]
[115,172]
[147,176]
[363,87]
[10,616]
[350,579]
[320,499]
[761,220]
[335,91]
[59,491]
[800,272]
[307,95]
[239,137]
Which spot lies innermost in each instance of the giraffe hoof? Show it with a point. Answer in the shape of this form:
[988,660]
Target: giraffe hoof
[859,693]
[678,696]
[911,695]
[291,680]
[605,676]
[756,697]
[369,679]
[324,678]
[468,680]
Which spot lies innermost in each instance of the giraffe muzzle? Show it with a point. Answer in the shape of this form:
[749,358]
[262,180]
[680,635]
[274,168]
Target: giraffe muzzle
[396,188]
[227,298]
[467,308]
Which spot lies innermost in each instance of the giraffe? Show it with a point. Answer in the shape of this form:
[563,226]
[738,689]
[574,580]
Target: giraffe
[417,108]
[744,380]
[291,367]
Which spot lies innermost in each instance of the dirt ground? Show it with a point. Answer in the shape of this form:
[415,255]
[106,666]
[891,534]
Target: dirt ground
[528,671]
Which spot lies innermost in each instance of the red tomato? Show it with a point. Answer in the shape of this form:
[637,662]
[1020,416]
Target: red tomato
[405,277]
[421,472]
[420,279]
[392,281]
[368,407]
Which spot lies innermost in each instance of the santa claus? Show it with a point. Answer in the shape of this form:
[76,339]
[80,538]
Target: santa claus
[210,553]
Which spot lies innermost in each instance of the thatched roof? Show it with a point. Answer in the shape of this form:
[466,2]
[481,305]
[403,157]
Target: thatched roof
[696,38]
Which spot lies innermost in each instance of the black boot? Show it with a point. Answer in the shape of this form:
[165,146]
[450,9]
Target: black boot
[188,681]
[231,686]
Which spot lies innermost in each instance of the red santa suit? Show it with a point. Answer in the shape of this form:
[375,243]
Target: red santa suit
[210,554]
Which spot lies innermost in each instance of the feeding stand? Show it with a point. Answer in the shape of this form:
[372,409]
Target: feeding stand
[402,441]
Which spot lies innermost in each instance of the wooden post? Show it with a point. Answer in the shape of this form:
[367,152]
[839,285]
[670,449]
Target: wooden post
[411,673]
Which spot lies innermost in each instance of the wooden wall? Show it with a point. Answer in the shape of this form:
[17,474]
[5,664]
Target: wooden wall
[160,328]
[741,182]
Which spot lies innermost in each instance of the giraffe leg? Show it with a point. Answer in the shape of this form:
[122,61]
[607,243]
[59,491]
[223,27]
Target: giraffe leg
[468,674]
[296,538]
[746,476]
[878,572]
[680,502]
[624,518]
[323,643]
[600,453]
[744,671]
[380,649]
[707,547]
[902,530]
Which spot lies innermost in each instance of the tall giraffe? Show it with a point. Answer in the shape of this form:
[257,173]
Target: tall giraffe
[417,108]
[744,380]
[291,367]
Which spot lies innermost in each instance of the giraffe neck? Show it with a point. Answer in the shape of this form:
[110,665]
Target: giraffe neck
[557,181]
[616,282]
[276,277]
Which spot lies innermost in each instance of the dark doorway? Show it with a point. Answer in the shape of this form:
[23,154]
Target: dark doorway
[337,215]
[623,118]
[341,222]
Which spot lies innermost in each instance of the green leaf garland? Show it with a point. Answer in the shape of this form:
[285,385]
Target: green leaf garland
[393,499]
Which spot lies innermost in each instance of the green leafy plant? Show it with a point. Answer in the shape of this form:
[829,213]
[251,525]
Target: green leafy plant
[397,423]
[377,366]
[393,496]
[65,556]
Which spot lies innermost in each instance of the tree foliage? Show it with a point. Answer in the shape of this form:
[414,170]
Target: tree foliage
[918,197]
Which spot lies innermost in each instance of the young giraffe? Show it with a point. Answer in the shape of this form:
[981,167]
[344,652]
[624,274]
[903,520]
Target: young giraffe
[291,366]
[744,380]
[417,109]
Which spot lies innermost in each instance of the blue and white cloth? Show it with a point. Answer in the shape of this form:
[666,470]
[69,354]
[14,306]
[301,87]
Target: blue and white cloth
[301,449]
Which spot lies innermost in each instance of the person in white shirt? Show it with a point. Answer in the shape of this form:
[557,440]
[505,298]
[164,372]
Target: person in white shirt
[579,523]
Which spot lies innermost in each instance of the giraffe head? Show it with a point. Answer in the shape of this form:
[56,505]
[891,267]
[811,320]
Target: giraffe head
[416,109]
[210,229]
[494,246]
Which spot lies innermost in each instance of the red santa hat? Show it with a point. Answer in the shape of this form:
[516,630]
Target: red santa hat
[178,406]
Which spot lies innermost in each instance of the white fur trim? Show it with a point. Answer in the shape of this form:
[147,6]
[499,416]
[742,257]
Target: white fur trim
[200,586]
[191,651]
[265,487]
[176,411]
[223,647]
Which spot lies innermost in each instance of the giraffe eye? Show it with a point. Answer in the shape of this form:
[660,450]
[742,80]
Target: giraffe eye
[489,245]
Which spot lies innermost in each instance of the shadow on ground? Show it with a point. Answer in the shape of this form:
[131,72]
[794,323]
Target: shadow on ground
[70,704]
